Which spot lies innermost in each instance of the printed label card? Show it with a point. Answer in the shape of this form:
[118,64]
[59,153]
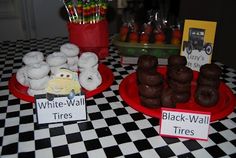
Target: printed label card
[184,123]
[63,100]
[60,109]
[198,42]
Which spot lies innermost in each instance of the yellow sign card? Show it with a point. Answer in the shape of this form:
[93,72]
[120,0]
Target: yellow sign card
[198,42]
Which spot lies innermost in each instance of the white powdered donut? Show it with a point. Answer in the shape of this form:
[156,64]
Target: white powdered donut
[83,69]
[33,58]
[39,84]
[55,69]
[22,76]
[33,92]
[37,71]
[73,60]
[70,49]
[90,79]
[56,59]
[87,60]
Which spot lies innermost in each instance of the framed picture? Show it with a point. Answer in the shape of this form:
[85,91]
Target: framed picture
[198,42]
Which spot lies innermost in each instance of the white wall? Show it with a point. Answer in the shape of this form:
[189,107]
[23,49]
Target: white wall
[24,19]
[48,22]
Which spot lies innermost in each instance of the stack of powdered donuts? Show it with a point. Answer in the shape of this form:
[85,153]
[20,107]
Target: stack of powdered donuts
[35,73]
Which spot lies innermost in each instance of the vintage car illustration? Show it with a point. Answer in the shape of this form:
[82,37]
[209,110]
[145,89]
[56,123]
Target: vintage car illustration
[196,41]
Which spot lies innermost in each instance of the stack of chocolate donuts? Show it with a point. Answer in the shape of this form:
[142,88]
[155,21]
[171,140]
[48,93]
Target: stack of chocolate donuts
[208,82]
[179,78]
[150,82]
[154,93]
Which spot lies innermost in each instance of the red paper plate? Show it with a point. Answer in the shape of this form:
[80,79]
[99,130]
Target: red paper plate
[20,91]
[129,93]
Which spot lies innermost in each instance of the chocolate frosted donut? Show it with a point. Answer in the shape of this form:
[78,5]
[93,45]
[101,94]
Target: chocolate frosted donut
[181,97]
[202,80]
[150,91]
[147,62]
[167,99]
[179,87]
[181,74]
[177,60]
[150,102]
[151,78]
[206,96]
[212,71]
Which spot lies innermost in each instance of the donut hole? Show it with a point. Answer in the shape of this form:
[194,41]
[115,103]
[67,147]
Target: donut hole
[90,78]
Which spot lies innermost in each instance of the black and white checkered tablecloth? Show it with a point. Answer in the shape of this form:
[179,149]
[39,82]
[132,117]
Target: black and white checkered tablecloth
[113,129]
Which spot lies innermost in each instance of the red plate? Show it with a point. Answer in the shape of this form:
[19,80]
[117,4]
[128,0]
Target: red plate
[129,93]
[20,91]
